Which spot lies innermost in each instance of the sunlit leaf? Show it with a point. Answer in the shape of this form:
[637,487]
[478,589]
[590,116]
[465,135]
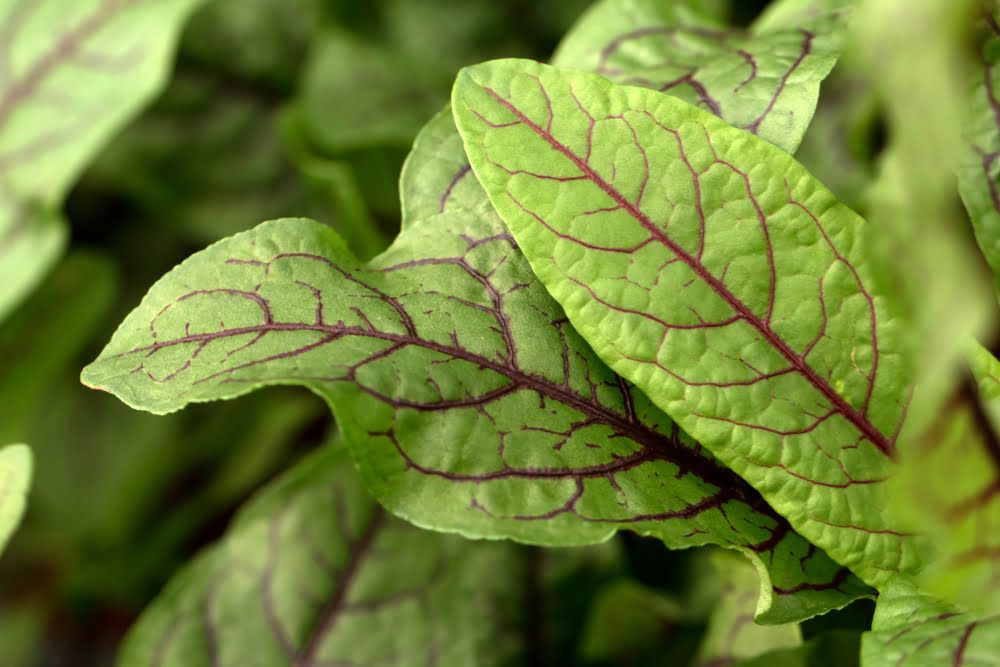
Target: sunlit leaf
[912,629]
[709,268]
[765,79]
[71,73]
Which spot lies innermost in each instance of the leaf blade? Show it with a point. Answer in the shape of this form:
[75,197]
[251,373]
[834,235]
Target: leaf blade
[544,444]
[765,80]
[603,251]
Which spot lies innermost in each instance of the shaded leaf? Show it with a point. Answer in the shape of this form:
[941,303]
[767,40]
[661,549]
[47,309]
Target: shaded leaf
[71,73]
[436,176]
[15,476]
[447,338]
[765,80]
[978,169]
[712,270]
[46,340]
[912,628]
[313,572]
[732,634]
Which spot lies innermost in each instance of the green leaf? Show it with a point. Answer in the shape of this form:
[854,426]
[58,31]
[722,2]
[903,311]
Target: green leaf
[709,268]
[949,486]
[15,476]
[447,339]
[436,176]
[765,80]
[912,628]
[978,168]
[917,229]
[314,572]
[732,634]
[71,74]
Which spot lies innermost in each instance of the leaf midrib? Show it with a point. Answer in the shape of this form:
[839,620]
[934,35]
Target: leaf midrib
[859,420]
[330,612]
[683,457]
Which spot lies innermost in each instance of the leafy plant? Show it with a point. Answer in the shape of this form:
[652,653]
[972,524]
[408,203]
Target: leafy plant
[623,316]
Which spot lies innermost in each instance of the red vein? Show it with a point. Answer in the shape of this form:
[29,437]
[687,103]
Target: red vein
[859,420]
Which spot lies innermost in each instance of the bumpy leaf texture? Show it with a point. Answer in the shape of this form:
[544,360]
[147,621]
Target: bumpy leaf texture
[765,79]
[949,486]
[470,403]
[448,339]
[709,268]
[15,476]
[914,629]
[313,572]
[626,40]
[979,169]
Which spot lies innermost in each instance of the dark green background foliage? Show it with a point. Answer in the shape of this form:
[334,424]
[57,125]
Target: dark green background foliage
[264,530]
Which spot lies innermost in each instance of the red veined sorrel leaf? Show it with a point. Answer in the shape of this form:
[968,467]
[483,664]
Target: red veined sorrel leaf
[709,268]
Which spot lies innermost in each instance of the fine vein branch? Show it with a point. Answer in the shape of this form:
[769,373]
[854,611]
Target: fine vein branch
[797,361]
[664,447]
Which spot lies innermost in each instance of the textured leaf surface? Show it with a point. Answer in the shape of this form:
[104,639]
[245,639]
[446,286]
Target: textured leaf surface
[979,169]
[15,476]
[949,486]
[912,628]
[71,73]
[644,42]
[765,79]
[447,339]
[710,269]
[314,573]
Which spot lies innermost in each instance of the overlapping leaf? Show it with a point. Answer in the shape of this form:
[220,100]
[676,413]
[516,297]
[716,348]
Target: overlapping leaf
[709,268]
[628,37]
[470,404]
[15,475]
[949,486]
[765,80]
[913,629]
[70,74]
[314,572]
[979,169]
